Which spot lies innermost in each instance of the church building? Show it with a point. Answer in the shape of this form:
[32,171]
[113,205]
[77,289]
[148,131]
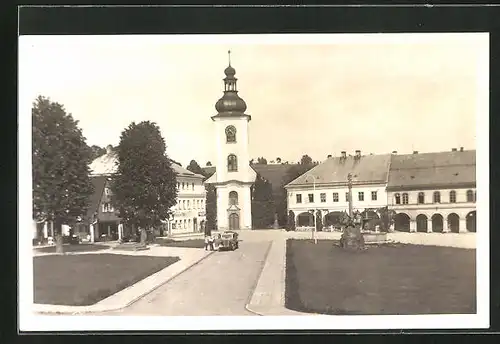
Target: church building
[233,177]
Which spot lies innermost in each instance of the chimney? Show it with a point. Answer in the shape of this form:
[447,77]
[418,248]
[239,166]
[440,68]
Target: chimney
[415,152]
[329,156]
[394,152]
[453,149]
[109,149]
[461,149]
[343,154]
[358,153]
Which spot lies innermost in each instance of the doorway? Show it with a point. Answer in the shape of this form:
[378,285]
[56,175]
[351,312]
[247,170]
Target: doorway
[234,221]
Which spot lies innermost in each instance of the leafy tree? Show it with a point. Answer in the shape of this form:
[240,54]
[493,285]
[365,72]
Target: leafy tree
[278,160]
[144,187]
[291,221]
[251,162]
[195,168]
[208,163]
[262,160]
[306,160]
[97,151]
[61,181]
[211,209]
[262,203]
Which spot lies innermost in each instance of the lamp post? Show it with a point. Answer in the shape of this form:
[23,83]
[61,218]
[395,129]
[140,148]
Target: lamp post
[314,208]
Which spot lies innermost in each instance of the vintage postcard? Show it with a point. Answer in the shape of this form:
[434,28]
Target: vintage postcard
[246,182]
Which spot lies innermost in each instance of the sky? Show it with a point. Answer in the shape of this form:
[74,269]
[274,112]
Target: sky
[307,94]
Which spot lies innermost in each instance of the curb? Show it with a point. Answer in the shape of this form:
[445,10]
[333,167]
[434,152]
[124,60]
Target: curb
[96,308]
[249,300]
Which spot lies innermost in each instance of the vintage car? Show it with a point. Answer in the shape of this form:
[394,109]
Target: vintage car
[228,241]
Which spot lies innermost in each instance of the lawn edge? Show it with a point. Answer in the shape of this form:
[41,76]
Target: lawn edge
[268,274]
[101,306]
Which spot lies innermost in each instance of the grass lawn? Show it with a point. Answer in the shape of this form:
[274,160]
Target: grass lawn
[73,248]
[390,279]
[191,243]
[85,279]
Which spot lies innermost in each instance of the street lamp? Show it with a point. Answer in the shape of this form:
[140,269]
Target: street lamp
[314,208]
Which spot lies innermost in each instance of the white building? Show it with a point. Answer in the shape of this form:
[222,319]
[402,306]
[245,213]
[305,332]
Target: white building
[324,188]
[188,213]
[233,177]
[434,192]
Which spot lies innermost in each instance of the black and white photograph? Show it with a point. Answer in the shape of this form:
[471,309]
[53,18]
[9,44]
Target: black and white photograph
[246,182]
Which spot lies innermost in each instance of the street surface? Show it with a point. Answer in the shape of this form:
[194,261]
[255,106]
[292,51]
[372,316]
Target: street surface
[221,284]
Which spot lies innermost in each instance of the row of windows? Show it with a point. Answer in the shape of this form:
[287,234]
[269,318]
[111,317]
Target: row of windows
[335,197]
[107,207]
[181,224]
[188,205]
[436,197]
[185,186]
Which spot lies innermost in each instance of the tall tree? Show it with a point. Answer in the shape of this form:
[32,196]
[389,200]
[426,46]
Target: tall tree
[61,181]
[195,168]
[211,209]
[306,160]
[144,187]
[262,203]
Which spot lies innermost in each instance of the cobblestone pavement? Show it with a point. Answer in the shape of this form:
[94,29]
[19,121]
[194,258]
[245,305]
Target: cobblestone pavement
[221,284]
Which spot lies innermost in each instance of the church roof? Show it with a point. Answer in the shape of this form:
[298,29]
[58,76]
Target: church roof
[366,169]
[107,164]
[440,169]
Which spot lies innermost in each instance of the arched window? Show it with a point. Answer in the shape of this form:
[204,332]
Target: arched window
[453,196]
[397,198]
[470,196]
[232,163]
[230,134]
[233,198]
[405,198]
[437,197]
[421,198]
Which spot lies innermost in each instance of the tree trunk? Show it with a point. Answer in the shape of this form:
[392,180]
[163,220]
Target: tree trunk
[58,237]
[144,236]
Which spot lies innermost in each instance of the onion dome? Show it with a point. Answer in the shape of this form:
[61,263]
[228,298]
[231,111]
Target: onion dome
[230,103]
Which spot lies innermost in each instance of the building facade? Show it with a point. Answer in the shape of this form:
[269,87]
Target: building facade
[324,189]
[188,215]
[434,192]
[233,175]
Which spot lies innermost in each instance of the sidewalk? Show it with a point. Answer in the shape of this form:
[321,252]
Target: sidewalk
[124,298]
[269,295]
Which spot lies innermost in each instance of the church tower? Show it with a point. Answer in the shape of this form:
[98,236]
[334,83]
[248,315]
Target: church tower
[234,176]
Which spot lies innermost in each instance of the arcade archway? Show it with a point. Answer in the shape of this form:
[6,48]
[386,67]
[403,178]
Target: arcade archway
[437,223]
[422,223]
[402,222]
[471,221]
[305,219]
[454,222]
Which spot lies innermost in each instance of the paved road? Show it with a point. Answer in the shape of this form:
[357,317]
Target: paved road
[221,284]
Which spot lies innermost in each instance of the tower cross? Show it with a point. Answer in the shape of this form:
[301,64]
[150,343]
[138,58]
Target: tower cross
[229,55]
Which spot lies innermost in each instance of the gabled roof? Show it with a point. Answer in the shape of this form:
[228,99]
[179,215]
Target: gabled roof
[366,169]
[441,169]
[273,173]
[99,182]
[107,164]
[208,170]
